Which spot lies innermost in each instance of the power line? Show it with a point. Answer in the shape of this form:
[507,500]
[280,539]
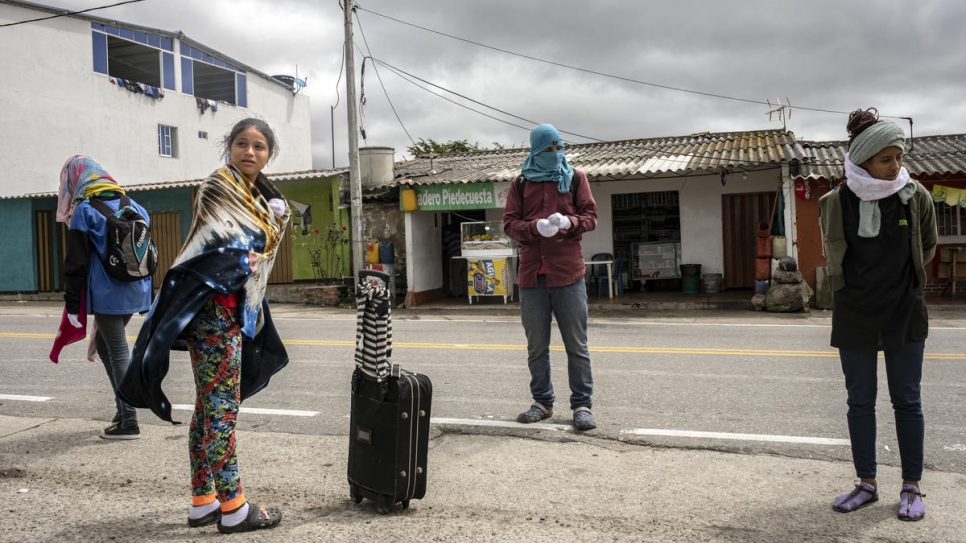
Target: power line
[744,163]
[398,71]
[68,13]
[366,42]
[403,77]
[603,74]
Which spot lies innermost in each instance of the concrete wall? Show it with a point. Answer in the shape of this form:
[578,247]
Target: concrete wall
[64,108]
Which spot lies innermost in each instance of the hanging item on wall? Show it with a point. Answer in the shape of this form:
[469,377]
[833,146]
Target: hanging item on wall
[409,199]
[803,190]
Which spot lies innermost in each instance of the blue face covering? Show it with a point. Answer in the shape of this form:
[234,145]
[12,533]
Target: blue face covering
[543,166]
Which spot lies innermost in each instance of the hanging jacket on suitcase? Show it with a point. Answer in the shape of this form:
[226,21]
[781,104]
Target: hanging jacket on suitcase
[390,409]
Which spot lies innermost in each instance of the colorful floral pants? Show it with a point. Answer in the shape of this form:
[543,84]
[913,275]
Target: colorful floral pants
[214,341]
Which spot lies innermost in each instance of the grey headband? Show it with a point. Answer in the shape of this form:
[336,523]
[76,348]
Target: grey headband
[874,139]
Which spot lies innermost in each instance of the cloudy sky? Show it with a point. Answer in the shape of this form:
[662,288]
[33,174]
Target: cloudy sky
[601,70]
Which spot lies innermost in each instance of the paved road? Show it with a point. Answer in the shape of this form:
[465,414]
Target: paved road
[678,395]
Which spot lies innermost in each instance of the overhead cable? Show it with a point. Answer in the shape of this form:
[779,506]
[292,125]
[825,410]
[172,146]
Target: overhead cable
[68,13]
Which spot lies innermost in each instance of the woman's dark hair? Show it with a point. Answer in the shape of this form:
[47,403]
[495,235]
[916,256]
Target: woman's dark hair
[859,120]
[257,124]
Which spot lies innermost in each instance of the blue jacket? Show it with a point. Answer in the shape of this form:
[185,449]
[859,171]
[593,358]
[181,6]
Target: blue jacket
[87,237]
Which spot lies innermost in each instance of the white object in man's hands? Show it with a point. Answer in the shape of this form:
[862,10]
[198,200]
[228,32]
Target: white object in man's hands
[278,205]
[560,220]
[74,321]
[546,228]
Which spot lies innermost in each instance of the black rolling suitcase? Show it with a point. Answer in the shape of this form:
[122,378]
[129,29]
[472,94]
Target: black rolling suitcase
[390,409]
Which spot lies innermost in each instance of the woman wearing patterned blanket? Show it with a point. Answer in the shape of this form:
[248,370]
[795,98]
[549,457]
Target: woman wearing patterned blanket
[213,300]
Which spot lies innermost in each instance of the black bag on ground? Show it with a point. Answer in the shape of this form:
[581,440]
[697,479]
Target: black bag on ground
[390,410]
[131,254]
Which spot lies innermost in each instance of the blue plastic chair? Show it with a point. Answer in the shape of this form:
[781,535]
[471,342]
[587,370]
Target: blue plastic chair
[618,277]
[599,272]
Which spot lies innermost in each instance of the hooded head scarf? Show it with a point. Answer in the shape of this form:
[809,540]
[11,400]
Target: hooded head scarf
[80,178]
[547,166]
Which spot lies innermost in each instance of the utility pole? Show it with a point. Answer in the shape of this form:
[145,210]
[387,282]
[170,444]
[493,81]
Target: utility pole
[355,183]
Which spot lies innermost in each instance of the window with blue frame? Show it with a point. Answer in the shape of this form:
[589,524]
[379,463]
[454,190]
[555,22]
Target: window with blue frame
[168,141]
[135,56]
[212,78]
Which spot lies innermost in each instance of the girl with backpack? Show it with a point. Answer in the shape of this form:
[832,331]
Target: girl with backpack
[87,283]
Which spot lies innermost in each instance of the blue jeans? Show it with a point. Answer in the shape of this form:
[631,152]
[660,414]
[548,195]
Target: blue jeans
[569,305]
[113,351]
[904,373]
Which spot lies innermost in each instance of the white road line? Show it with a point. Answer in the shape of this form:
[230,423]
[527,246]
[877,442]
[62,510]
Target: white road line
[258,411]
[511,424]
[739,437]
[14,397]
[500,424]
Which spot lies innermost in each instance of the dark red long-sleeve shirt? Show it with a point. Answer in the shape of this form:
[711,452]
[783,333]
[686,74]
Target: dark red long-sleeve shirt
[561,255]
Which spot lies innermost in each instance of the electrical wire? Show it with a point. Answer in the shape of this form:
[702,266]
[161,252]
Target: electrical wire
[602,74]
[397,71]
[369,51]
[450,100]
[68,13]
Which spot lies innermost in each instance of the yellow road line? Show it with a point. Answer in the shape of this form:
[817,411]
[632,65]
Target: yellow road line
[594,349]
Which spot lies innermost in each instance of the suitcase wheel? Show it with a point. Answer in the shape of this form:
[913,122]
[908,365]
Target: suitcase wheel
[405,504]
[354,493]
[383,504]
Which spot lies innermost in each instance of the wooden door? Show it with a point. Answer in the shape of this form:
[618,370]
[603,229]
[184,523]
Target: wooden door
[166,233]
[46,252]
[282,269]
[740,216]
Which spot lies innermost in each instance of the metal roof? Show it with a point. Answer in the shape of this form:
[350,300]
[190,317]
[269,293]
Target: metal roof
[654,157]
[925,155]
[278,178]
[676,156]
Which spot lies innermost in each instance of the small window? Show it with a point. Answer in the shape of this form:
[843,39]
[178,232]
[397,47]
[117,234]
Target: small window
[951,223]
[168,141]
[202,135]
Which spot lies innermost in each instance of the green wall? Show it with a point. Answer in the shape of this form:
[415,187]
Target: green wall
[18,260]
[323,197]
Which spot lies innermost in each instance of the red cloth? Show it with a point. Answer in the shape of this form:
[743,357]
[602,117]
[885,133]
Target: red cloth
[67,334]
[227,301]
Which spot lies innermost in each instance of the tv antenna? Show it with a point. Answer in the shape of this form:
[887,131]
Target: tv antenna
[778,110]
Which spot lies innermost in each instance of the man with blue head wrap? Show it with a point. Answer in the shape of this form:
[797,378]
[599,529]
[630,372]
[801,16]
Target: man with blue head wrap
[548,218]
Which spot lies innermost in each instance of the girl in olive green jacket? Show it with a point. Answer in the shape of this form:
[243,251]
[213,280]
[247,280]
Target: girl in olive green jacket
[879,230]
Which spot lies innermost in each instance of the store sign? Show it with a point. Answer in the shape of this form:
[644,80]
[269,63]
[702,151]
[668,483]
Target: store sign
[468,196]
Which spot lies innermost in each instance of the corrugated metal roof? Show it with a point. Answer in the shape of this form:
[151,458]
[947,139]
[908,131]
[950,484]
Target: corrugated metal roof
[614,160]
[278,178]
[706,152]
[925,155]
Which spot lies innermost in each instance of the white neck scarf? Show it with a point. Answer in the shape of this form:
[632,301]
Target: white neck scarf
[870,190]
